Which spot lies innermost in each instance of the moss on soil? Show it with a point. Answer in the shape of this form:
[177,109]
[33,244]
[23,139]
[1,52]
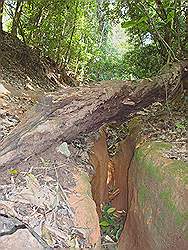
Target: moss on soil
[150,167]
[167,199]
[143,194]
[179,169]
[149,157]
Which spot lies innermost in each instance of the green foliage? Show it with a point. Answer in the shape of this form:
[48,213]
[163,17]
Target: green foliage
[66,31]
[169,203]
[110,223]
[13,171]
[108,65]
[157,30]
[164,21]
[181,125]
[142,61]
[77,34]
[143,195]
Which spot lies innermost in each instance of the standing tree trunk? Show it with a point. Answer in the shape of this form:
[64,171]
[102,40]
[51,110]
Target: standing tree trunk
[1,15]
[67,56]
[16,18]
[185,42]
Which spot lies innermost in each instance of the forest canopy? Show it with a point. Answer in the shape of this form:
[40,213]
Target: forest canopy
[93,124]
[82,35]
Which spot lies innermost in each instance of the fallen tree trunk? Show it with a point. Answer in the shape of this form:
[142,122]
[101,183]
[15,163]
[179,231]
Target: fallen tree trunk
[64,115]
[45,159]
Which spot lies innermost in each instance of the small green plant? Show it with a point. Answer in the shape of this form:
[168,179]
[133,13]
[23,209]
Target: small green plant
[111,222]
[180,125]
[13,171]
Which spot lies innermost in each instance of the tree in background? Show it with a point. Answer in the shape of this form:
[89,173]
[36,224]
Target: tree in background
[66,31]
[79,34]
[16,24]
[1,14]
[158,27]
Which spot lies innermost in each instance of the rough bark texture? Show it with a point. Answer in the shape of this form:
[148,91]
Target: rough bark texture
[1,15]
[65,115]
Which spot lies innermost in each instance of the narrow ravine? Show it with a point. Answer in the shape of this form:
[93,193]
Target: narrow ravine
[142,183]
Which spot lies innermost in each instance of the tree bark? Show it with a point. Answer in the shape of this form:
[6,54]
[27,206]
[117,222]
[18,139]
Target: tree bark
[1,15]
[82,110]
[16,18]
[67,57]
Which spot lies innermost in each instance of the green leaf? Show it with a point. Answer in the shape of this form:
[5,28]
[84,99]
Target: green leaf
[170,16]
[118,233]
[13,171]
[143,19]
[104,223]
[179,125]
[111,210]
[131,23]
[128,24]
